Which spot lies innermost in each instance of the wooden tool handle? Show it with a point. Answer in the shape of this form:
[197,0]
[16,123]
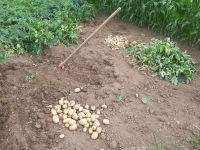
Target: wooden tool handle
[61,65]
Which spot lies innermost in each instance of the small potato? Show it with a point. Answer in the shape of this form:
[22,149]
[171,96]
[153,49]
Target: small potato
[57,107]
[81,114]
[92,107]
[83,121]
[93,118]
[96,116]
[106,121]
[94,127]
[77,106]
[86,125]
[87,107]
[67,120]
[96,123]
[90,130]
[67,125]
[65,111]
[88,119]
[80,108]
[84,129]
[76,90]
[104,106]
[64,116]
[66,101]
[72,103]
[86,111]
[75,116]
[55,119]
[53,112]
[50,106]
[61,136]
[98,112]
[59,111]
[94,135]
[72,121]
[99,129]
[70,113]
[73,127]
[61,101]
[90,123]
[88,115]
[80,117]
[65,106]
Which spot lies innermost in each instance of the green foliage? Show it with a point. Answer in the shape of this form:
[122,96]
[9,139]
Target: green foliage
[196,144]
[30,25]
[30,76]
[180,18]
[165,60]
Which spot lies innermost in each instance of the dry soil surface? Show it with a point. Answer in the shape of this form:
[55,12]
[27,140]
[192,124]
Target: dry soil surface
[107,77]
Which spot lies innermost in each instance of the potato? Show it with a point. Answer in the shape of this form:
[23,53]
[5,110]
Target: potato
[61,101]
[87,107]
[55,119]
[59,111]
[94,127]
[88,119]
[72,103]
[96,123]
[88,115]
[73,127]
[93,118]
[80,117]
[77,106]
[57,107]
[96,116]
[104,106]
[93,107]
[81,114]
[80,108]
[90,123]
[67,125]
[70,113]
[75,116]
[106,121]
[67,120]
[72,121]
[76,90]
[86,125]
[65,106]
[61,136]
[86,111]
[99,129]
[65,111]
[53,112]
[50,106]
[66,101]
[90,130]
[64,116]
[98,112]
[83,121]
[94,135]
[84,129]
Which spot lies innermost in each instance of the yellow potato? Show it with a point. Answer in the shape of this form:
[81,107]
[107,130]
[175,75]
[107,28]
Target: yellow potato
[55,119]
[106,121]
[53,112]
[73,127]
[83,121]
[94,135]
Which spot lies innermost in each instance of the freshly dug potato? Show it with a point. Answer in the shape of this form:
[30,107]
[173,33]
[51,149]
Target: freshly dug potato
[61,101]
[90,130]
[72,103]
[104,106]
[53,112]
[72,121]
[83,121]
[76,90]
[99,129]
[66,101]
[57,107]
[94,135]
[55,119]
[92,107]
[80,108]
[73,127]
[106,121]
[87,107]
[84,129]
[61,136]
[65,106]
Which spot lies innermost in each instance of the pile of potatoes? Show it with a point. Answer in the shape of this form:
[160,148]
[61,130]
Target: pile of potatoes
[116,42]
[73,115]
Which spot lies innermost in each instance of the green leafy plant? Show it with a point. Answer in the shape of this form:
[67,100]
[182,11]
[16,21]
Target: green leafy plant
[164,59]
[31,25]
[180,19]
[196,144]
[30,76]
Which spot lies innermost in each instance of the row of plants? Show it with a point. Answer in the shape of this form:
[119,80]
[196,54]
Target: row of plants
[31,25]
[180,18]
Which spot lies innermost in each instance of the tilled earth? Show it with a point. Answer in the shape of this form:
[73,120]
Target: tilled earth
[107,78]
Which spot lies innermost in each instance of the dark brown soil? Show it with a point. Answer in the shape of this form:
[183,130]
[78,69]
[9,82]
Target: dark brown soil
[105,74]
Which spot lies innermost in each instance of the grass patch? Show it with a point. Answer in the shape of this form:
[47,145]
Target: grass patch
[163,59]
[30,76]
[31,25]
[196,144]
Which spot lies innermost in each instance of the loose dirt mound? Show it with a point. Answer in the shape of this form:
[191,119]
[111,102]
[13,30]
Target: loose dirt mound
[26,123]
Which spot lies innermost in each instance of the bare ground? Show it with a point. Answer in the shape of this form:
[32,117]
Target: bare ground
[25,121]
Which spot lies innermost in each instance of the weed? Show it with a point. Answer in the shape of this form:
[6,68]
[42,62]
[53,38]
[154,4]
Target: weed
[30,76]
[196,144]
[164,59]
[120,98]
[147,100]
[158,147]
[2,100]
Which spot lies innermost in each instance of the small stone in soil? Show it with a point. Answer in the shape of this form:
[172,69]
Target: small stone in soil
[38,126]
[77,90]
[61,136]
